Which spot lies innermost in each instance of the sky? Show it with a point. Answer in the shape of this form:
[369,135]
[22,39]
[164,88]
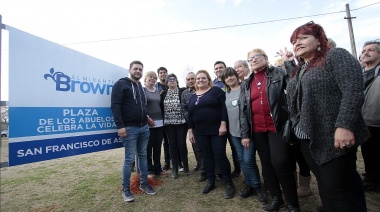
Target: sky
[185,35]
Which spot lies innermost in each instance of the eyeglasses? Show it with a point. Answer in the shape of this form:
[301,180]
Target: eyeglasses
[254,57]
[172,79]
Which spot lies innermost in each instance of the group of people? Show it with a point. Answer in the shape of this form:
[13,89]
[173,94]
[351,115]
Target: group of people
[319,89]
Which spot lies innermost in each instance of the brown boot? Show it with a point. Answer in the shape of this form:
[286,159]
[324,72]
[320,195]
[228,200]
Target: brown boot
[303,189]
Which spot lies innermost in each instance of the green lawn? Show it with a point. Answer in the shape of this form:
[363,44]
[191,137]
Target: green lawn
[91,182]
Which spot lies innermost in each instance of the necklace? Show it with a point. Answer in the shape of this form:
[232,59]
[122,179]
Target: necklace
[198,97]
[260,81]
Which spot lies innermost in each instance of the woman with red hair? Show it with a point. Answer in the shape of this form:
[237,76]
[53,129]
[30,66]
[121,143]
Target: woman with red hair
[325,95]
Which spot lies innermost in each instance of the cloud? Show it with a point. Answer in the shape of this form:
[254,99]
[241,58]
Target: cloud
[237,2]
[220,2]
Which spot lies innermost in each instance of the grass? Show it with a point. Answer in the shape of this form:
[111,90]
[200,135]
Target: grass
[91,182]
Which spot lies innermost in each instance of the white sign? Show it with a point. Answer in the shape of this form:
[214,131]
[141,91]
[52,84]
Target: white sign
[59,100]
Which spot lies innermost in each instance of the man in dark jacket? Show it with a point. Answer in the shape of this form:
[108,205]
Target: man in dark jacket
[371,109]
[128,104]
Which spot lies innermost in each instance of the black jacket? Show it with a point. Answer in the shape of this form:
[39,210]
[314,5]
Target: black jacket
[277,80]
[332,97]
[128,103]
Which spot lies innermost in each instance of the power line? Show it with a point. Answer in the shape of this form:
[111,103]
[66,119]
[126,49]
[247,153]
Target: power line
[365,6]
[215,28]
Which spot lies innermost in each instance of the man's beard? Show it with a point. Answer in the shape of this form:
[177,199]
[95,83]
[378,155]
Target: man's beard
[135,78]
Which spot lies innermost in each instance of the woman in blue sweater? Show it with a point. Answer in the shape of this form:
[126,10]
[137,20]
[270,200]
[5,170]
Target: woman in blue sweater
[207,122]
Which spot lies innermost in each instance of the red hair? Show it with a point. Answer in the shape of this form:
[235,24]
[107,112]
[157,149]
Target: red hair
[317,31]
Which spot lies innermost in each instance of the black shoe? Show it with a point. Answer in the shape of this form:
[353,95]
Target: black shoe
[247,191]
[208,187]
[230,191]
[294,208]
[275,204]
[165,167]
[175,173]
[261,196]
[235,173]
[203,177]
[186,170]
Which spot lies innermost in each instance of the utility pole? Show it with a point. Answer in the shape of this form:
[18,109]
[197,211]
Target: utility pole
[351,31]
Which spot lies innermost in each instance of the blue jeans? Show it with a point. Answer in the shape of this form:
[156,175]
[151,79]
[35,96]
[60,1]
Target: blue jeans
[136,142]
[247,160]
